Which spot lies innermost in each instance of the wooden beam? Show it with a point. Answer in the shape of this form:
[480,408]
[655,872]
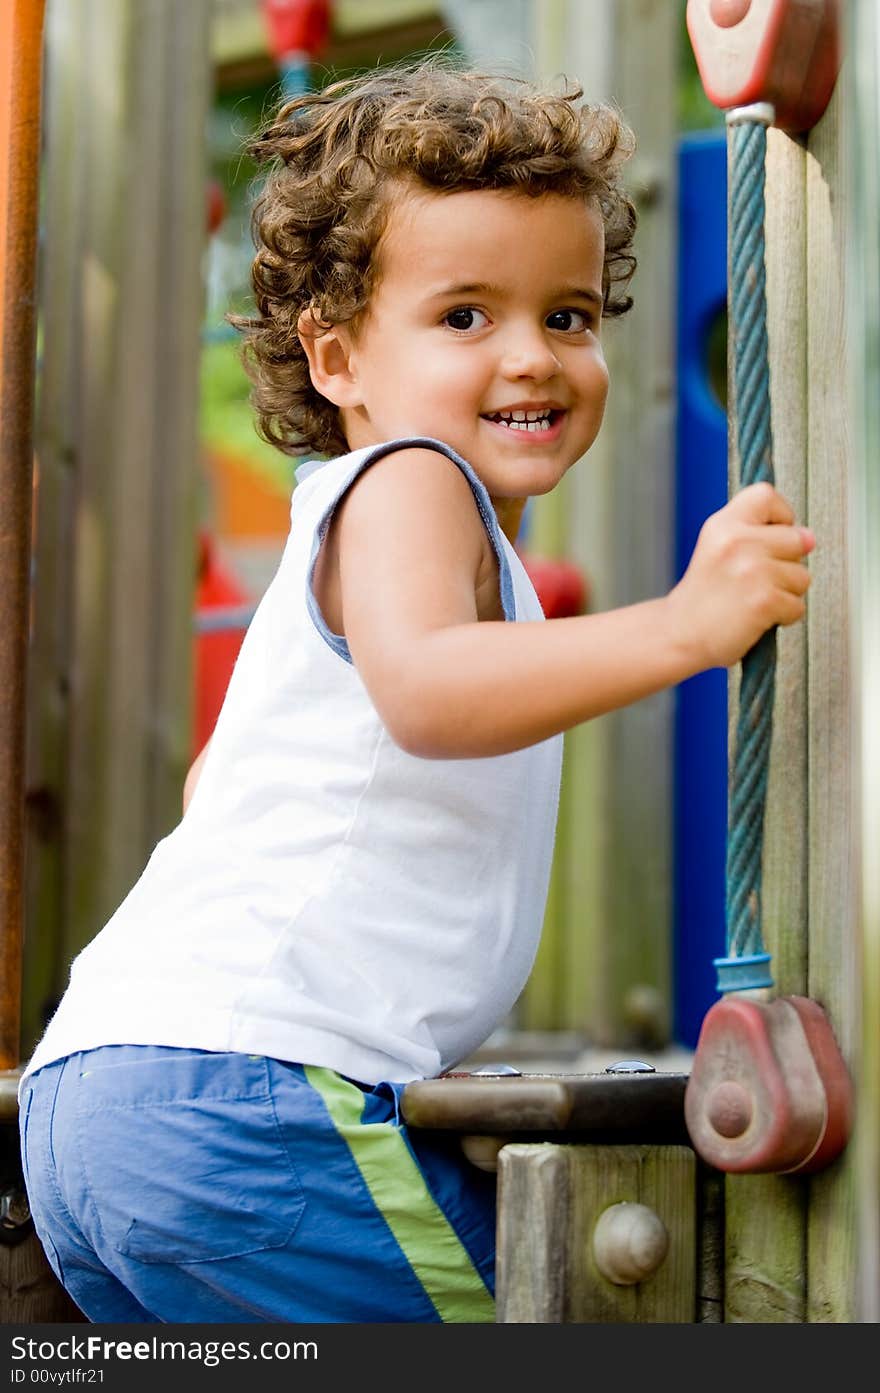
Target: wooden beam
[125,227]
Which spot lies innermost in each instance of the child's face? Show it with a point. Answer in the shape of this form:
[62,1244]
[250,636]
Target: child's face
[488,303]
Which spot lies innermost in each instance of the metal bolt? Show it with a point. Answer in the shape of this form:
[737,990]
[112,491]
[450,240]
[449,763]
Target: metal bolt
[15,1211]
[495,1071]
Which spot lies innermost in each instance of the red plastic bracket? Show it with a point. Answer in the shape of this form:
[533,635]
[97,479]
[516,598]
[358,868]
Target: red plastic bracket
[786,52]
[769,1090]
[296,26]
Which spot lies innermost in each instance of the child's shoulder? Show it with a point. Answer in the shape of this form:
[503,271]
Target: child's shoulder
[401,481]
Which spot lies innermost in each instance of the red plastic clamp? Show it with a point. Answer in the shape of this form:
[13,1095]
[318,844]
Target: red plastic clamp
[786,52]
[768,1090]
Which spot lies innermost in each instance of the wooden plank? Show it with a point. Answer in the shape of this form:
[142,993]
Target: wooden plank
[765,1217]
[637,912]
[533,1198]
[615,855]
[125,223]
[602,1107]
[832,948]
[65,193]
[565,988]
[785,904]
[765,1250]
[861,83]
[549,1200]
[168,727]
[661,1177]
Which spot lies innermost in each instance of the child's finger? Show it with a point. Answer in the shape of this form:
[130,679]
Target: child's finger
[761,503]
[791,608]
[788,543]
[792,577]
[809,539]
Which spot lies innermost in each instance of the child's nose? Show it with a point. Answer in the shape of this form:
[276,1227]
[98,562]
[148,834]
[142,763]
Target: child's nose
[528,354]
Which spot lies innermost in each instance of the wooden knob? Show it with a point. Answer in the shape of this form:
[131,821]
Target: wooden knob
[483,1151]
[630,1242]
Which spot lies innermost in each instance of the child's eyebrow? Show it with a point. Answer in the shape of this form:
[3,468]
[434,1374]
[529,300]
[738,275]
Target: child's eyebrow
[577,292]
[566,292]
[444,292]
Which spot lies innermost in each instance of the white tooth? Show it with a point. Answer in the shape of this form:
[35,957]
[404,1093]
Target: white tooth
[518,415]
[533,415]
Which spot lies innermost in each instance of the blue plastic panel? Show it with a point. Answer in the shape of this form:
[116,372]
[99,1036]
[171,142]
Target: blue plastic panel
[700,784]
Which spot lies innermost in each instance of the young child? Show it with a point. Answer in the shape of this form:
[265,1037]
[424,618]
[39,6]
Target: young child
[353,899]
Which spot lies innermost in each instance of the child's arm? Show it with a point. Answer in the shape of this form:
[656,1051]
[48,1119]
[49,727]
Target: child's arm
[410,544]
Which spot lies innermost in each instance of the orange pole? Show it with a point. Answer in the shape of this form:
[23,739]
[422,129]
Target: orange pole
[21,34]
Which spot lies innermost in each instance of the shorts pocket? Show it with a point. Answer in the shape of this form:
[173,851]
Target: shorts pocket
[194,1170]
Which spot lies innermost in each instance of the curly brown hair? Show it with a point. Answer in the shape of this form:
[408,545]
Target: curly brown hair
[334,158]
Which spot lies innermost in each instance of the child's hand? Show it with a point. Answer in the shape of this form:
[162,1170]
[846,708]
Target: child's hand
[745,576]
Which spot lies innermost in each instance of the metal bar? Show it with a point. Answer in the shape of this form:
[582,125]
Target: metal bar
[21,29]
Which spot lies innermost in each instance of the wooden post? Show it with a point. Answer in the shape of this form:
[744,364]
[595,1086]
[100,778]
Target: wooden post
[550,1199]
[125,226]
[609,923]
[766,1215]
[862,120]
[790,1241]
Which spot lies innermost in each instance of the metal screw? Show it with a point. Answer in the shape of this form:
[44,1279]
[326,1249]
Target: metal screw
[630,1066]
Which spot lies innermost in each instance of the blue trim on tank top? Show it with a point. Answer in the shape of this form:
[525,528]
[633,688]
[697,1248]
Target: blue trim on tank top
[508,601]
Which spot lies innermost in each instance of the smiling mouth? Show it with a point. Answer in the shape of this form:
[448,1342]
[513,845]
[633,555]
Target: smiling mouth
[535,422]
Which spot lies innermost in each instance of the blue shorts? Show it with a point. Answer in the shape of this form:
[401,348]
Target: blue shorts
[179,1185]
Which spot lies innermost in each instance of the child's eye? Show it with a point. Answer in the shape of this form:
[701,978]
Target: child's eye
[465,319]
[570,321]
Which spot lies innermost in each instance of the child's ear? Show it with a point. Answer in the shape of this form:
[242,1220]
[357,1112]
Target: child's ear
[329,355]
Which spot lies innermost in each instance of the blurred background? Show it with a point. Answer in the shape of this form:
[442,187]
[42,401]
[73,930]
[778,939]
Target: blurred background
[160,516]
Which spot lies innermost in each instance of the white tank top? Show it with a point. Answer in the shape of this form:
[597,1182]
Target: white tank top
[327,898]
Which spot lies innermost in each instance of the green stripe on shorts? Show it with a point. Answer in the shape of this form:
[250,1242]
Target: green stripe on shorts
[430,1244]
